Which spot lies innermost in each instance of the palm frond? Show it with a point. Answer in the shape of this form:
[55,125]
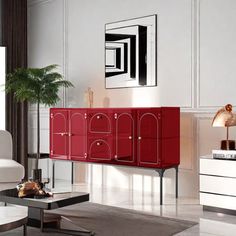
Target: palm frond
[64,83]
[36,85]
[49,68]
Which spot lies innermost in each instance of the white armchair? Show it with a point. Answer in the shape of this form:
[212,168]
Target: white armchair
[11,172]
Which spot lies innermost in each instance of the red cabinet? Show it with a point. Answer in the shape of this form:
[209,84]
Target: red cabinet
[77,140]
[68,131]
[125,136]
[147,137]
[59,134]
[99,135]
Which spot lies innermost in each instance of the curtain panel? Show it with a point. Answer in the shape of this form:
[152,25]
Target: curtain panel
[14,38]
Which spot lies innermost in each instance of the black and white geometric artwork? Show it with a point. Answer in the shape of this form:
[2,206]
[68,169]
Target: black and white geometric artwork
[131,53]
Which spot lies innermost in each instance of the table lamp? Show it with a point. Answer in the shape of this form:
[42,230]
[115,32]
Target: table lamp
[225,118]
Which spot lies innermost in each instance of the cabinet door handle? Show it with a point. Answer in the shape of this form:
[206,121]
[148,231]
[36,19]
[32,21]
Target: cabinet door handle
[130,137]
[139,138]
[70,134]
[99,117]
[99,143]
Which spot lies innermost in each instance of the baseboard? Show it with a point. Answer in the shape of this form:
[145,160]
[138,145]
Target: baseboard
[219,210]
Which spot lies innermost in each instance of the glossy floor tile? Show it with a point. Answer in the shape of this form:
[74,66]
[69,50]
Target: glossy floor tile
[209,223]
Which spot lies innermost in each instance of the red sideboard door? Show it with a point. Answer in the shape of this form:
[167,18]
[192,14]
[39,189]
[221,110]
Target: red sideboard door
[125,136]
[77,135]
[100,149]
[99,122]
[100,137]
[59,134]
[149,131]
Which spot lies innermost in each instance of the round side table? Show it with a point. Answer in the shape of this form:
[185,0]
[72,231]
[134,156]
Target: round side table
[13,217]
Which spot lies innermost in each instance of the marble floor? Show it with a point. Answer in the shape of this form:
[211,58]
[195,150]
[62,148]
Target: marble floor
[209,223]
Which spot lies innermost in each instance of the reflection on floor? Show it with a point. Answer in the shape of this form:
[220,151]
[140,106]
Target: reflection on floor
[183,208]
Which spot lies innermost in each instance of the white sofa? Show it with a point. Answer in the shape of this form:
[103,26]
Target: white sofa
[11,172]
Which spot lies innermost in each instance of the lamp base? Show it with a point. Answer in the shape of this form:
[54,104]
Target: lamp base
[228,145]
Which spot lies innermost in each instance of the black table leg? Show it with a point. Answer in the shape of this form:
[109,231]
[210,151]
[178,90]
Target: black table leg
[25,229]
[41,219]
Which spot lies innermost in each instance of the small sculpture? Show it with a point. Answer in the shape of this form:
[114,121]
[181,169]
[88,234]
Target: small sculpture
[31,189]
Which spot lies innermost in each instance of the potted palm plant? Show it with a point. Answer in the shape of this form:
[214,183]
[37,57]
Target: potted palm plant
[37,86]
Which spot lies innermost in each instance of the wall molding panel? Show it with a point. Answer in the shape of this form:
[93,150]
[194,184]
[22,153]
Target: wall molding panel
[214,48]
[37,2]
[65,48]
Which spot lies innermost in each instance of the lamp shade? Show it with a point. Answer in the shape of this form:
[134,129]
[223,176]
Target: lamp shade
[224,117]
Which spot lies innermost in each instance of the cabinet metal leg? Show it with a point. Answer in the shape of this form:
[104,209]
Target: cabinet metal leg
[72,172]
[176,182]
[53,174]
[161,174]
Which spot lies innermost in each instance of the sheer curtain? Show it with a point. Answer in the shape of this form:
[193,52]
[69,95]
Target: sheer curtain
[14,38]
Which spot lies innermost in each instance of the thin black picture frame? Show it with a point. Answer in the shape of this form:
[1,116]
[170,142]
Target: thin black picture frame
[155,53]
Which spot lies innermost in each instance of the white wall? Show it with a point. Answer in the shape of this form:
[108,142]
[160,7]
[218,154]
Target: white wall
[195,64]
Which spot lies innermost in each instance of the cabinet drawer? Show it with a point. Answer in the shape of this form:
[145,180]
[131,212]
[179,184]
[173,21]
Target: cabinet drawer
[100,149]
[100,122]
[220,201]
[218,167]
[219,185]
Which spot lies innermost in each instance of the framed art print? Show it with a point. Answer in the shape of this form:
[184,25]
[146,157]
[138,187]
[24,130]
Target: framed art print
[131,53]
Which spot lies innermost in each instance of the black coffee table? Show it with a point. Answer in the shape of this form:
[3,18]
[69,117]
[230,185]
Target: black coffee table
[36,215]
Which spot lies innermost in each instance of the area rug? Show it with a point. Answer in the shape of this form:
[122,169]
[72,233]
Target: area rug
[114,221]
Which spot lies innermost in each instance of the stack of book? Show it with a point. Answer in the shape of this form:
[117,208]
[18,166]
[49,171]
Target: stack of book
[224,154]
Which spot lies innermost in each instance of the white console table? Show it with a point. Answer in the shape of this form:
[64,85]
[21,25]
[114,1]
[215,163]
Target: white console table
[218,184]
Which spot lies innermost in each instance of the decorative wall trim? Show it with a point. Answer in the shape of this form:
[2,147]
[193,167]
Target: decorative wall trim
[197,26]
[200,110]
[199,117]
[192,157]
[65,49]
[37,2]
[197,65]
[193,55]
